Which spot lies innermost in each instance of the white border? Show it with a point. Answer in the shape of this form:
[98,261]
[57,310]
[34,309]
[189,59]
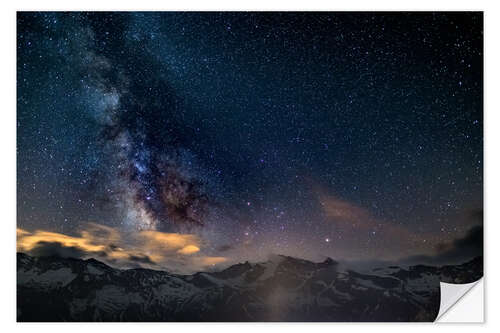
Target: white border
[7,132]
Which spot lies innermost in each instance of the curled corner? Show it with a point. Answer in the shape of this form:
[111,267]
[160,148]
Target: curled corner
[451,294]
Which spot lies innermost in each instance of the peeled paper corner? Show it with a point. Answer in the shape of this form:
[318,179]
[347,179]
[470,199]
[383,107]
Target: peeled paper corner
[461,303]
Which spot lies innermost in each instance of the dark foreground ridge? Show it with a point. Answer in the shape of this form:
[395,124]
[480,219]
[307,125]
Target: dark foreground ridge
[282,289]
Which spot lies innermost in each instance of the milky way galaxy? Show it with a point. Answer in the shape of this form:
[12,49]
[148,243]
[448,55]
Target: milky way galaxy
[154,176]
[356,136]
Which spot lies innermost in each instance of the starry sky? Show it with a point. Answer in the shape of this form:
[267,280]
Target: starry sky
[348,135]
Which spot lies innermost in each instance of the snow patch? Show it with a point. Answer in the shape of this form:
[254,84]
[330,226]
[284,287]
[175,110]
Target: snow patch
[48,279]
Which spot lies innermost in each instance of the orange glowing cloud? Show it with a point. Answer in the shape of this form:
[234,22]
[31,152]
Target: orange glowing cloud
[190,249]
[153,249]
[210,261]
[27,241]
[168,241]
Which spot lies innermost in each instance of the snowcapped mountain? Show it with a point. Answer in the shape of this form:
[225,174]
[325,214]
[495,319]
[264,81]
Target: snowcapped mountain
[281,289]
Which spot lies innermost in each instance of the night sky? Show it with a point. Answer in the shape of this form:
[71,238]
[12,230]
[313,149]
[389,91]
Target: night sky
[349,135]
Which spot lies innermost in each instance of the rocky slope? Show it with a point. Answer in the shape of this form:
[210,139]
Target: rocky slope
[282,289]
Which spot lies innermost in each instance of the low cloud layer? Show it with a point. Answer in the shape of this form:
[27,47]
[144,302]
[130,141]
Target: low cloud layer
[455,252]
[180,253]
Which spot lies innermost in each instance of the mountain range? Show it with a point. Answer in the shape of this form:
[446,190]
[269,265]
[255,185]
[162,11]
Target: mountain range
[280,289]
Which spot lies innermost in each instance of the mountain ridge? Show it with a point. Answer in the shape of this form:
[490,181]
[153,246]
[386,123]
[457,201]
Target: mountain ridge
[281,289]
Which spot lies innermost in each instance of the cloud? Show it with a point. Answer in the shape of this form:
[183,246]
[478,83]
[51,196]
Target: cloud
[473,240]
[353,218]
[456,251]
[49,249]
[224,248]
[167,241]
[190,249]
[344,212]
[180,253]
[210,261]
[27,241]
[381,238]
[141,259]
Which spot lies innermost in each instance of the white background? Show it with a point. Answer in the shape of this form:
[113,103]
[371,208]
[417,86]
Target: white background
[8,158]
